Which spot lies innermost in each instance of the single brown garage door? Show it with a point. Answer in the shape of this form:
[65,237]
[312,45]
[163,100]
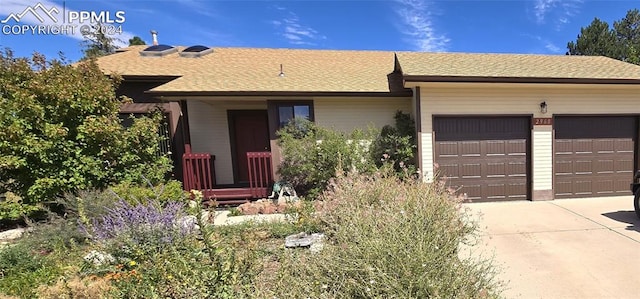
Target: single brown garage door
[593,155]
[484,157]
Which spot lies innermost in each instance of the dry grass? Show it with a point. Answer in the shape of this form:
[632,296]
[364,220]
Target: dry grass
[76,288]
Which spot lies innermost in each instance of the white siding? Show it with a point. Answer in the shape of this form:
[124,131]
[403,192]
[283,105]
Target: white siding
[542,139]
[427,156]
[347,114]
[209,128]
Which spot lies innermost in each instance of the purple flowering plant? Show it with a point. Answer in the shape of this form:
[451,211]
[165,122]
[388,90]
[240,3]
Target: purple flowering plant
[143,226]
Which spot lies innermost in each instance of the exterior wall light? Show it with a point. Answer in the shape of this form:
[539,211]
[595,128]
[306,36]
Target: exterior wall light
[543,107]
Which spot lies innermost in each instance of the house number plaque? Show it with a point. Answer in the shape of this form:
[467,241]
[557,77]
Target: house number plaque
[543,121]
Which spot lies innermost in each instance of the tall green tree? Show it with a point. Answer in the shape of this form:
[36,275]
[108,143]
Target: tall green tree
[61,131]
[97,42]
[628,33]
[621,42]
[596,39]
[136,41]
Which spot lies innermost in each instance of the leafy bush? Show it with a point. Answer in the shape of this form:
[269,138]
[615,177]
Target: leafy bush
[61,131]
[138,193]
[12,208]
[22,270]
[312,155]
[397,145]
[40,257]
[388,239]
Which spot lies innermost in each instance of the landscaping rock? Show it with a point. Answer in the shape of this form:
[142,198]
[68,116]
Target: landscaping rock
[268,208]
[248,209]
[12,234]
[314,241]
[99,258]
[282,207]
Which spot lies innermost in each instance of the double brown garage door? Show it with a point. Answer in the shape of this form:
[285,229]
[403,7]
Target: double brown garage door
[487,158]
[484,157]
[593,155]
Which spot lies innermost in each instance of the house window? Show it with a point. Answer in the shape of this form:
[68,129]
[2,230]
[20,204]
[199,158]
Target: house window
[287,112]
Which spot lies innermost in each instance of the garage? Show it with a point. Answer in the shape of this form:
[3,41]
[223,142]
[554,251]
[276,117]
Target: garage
[593,155]
[485,158]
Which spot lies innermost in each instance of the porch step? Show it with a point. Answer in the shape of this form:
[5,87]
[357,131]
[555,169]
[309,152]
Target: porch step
[225,202]
[228,196]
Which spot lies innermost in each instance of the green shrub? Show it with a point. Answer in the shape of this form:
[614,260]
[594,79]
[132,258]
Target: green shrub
[388,239]
[397,145]
[92,204]
[138,193]
[61,131]
[302,216]
[40,257]
[312,155]
[12,208]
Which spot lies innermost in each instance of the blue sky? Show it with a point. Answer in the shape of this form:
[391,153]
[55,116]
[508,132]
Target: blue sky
[531,26]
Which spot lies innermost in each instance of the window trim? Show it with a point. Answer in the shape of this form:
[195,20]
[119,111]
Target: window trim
[273,107]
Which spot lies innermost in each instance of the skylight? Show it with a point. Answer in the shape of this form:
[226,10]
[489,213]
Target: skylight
[196,51]
[158,50]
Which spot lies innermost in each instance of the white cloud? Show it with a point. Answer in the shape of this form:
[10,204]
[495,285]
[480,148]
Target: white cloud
[559,10]
[552,47]
[58,18]
[199,7]
[294,31]
[418,28]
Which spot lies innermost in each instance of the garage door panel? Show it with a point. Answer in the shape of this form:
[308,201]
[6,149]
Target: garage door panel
[604,186]
[449,170]
[469,170]
[472,191]
[582,146]
[624,146]
[563,167]
[583,167]
[600,158]
[516,147]
[582,188]
[496,148]
[449,149]
[496,170]
[622,187]
[517,169]
[517,190]
[470,148]
[605,167]
[491,156]
[605,146]
[564,147]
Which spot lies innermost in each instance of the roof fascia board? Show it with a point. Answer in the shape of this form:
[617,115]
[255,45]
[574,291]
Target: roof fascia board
[406,93]
[412,78]
[144,78]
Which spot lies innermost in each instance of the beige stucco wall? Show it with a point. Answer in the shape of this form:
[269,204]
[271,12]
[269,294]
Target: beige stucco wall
[521,99]
[209,124]
[347,114]
[209,128]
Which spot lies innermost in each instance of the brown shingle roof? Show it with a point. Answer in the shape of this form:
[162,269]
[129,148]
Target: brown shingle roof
[254,70]
[469,65]
[257,70]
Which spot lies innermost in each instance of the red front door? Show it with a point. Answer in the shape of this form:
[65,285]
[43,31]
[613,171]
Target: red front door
[249,133]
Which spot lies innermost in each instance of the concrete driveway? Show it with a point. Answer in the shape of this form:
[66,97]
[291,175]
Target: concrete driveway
[570,248]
